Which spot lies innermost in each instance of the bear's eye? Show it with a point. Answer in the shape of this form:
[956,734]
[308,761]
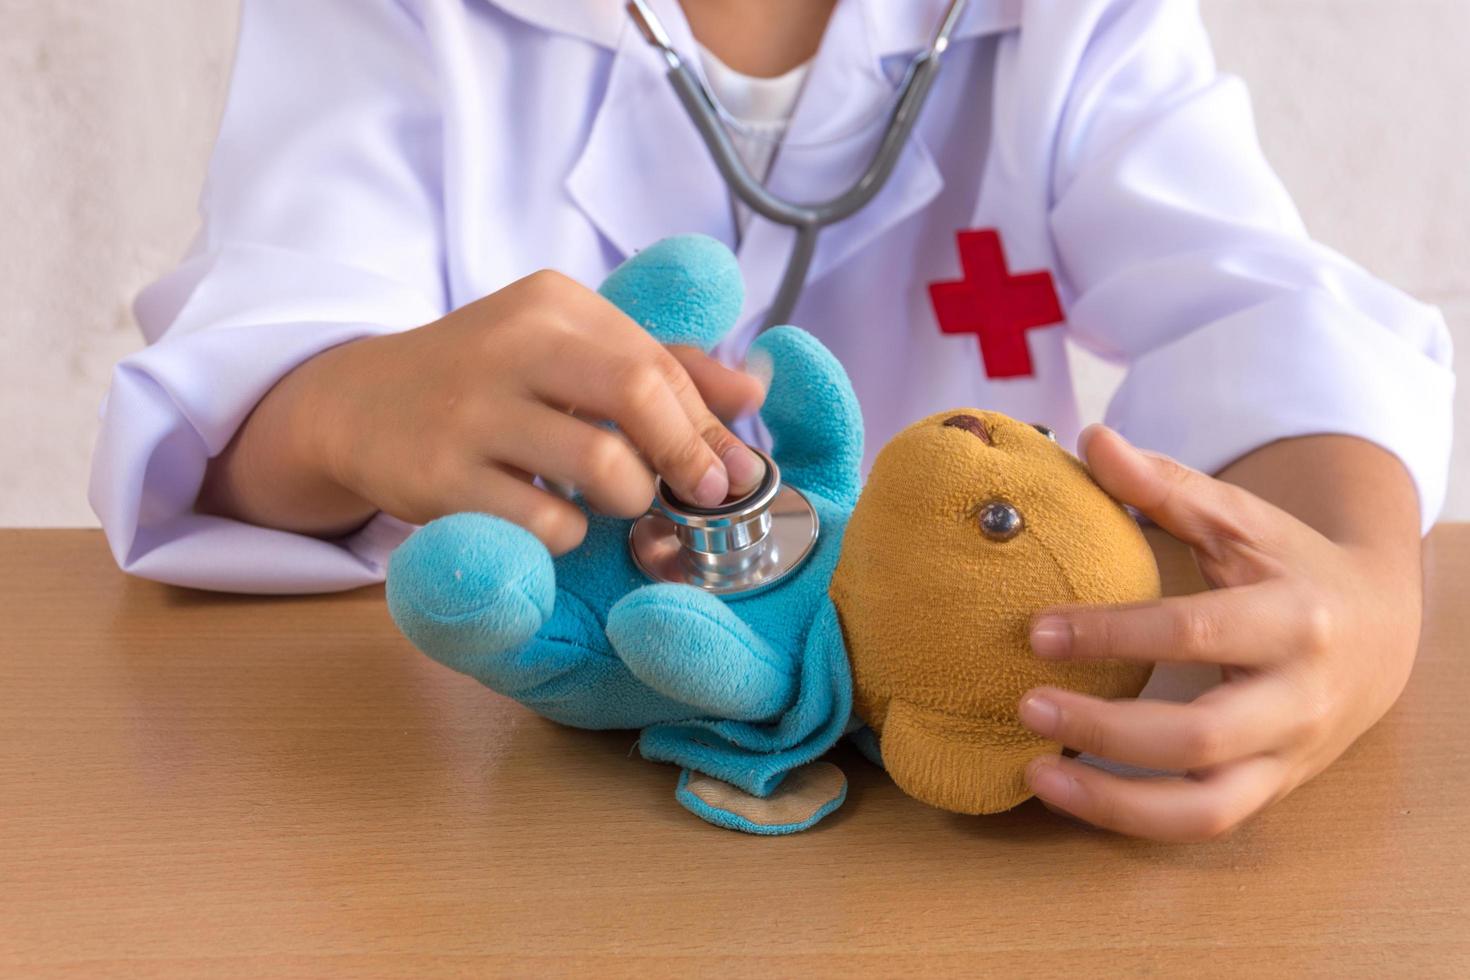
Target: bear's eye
[1000,521]
[1044,431]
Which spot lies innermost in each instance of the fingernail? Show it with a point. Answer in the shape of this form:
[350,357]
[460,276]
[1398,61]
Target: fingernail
[712,487]
[760,366]
[743,467]
[1051,637]
[1084,438]
[1039,714]
[1047,781]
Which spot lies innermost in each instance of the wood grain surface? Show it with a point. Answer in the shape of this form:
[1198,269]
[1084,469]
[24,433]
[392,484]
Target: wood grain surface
[202,785]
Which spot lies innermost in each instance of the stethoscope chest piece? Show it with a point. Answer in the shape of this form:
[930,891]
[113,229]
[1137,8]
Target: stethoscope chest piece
[740,547]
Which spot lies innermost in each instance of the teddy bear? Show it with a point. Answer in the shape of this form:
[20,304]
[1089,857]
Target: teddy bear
[980,521]
[746,693]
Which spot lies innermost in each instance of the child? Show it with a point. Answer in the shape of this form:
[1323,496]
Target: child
[363,337]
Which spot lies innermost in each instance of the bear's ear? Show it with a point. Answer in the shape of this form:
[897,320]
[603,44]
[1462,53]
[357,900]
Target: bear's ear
[683,290]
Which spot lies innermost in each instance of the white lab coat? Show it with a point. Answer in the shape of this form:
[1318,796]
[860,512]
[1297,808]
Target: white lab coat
[384,161]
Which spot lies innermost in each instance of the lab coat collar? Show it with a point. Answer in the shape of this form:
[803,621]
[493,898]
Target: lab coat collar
[601,22]
[645,174]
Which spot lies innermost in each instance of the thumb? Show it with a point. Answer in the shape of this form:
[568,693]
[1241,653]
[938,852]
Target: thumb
[1195,508]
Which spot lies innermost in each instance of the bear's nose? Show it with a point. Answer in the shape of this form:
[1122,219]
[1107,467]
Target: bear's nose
[972,425]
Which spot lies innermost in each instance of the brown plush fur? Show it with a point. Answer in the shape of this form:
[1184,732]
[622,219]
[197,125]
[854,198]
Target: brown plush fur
[936,615]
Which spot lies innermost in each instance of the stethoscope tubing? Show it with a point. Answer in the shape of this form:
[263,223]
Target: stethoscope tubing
[806,219]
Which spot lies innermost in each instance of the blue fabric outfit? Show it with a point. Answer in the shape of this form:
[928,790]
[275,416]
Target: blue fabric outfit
[743,689]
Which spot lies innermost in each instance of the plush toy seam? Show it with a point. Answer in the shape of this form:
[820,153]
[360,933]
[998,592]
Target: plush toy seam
[789,670]
[442,620]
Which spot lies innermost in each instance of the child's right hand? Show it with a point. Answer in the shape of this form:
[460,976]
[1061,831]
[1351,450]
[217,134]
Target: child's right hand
[461,414]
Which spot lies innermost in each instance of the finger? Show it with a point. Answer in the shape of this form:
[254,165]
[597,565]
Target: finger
[730,394]
[594,359]
[630,390]
[1228,723]
[742,467]
[634,386]
[559,524]
[1244,627]
[1195,508]
[590,459]
[1181,809]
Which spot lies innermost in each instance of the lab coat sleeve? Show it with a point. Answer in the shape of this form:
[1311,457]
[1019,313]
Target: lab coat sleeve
[321,225]
[1182,256]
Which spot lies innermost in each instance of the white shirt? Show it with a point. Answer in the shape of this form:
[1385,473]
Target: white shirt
[760,110]
[381,162]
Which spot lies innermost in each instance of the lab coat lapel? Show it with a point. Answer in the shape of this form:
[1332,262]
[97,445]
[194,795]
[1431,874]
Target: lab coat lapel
[644,173]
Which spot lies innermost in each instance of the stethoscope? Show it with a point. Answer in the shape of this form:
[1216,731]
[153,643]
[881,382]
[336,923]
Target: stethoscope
[808,219]
[740,547]
[750,544]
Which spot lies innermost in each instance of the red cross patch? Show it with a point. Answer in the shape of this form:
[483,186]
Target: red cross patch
[994,305]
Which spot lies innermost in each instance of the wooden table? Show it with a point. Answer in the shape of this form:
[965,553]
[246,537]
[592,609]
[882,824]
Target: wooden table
[209,785]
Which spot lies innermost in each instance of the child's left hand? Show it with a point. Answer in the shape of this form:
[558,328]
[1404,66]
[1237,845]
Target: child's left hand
[1316,640]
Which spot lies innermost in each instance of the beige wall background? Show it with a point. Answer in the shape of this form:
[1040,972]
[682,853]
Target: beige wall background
[109,110]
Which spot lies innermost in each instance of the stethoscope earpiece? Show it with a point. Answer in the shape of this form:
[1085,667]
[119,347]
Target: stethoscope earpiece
[740,547]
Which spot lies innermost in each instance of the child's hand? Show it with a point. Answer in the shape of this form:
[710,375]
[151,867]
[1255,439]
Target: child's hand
[1316,639]
[459,415]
